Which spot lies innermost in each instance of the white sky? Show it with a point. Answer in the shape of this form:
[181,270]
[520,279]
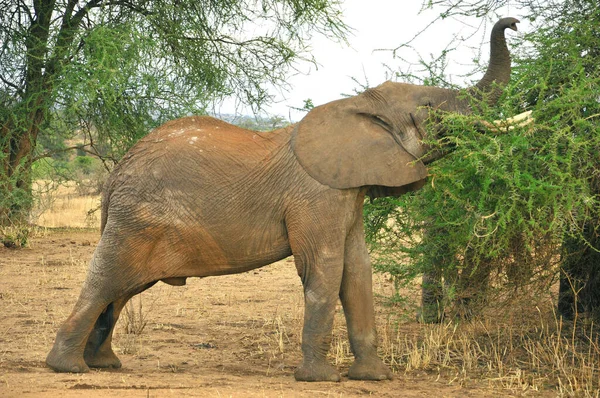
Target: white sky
[379,24]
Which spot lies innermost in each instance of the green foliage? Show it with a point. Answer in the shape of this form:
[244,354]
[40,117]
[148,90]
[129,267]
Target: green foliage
[308,105]
[49,169]
[505,200]
[84,164]
[87,172]
[14,194]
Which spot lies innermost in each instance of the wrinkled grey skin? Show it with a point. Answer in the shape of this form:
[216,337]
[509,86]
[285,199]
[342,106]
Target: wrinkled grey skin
[199,197]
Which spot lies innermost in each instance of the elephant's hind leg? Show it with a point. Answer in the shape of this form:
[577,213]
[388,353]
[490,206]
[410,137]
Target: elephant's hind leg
[67,353]
[98,351]
[86,334]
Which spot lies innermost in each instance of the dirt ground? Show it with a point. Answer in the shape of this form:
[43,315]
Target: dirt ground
[236,335]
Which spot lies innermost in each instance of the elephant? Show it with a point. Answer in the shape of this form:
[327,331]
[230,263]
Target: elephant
[200,197]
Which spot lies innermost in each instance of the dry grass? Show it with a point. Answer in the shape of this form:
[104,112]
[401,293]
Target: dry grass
[60,206]
[134,318]
[535,355]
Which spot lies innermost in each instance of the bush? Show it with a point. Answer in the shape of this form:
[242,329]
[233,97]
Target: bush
[15,236]
[497,204]
[83,164]
[498,207]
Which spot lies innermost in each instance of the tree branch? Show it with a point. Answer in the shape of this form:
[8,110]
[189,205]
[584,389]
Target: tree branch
[49,154]
[66,35]
[18,89]
[130,6]
[82,147]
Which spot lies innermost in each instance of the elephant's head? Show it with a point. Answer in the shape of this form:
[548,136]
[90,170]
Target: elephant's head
[375,138]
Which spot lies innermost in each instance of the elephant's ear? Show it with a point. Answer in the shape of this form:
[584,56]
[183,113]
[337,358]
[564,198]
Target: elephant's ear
[343,147]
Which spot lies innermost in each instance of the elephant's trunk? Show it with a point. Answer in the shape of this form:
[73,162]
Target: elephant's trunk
[498,71]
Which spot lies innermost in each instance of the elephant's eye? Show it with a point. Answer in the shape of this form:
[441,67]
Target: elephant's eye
[378,120]
[426,102]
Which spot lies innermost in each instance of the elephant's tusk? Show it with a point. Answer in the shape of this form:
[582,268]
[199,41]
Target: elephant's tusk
[520,120]
[519,117]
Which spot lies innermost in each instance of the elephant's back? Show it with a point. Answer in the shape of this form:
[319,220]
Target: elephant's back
[196,163]
[190,147]
[210,139]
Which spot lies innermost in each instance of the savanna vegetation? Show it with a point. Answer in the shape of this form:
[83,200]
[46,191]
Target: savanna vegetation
[505,231]
[517,202]
[510,214]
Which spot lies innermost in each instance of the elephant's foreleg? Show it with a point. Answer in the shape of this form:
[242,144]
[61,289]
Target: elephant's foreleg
[319,260]
[321,282]
[356,294]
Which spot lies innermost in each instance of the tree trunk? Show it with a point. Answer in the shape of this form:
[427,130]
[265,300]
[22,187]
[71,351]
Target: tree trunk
[579,290]
[20,125]
[20,129]
[18,143]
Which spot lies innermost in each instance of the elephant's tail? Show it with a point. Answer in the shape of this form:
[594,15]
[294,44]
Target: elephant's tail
[104,209]
[106,194]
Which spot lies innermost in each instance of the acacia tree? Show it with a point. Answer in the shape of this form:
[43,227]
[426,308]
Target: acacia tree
[523,206]
[118,67]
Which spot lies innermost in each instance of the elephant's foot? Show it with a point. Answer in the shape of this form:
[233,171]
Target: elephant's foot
[316,371]
[102,359]
[66,363]
[371,368]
